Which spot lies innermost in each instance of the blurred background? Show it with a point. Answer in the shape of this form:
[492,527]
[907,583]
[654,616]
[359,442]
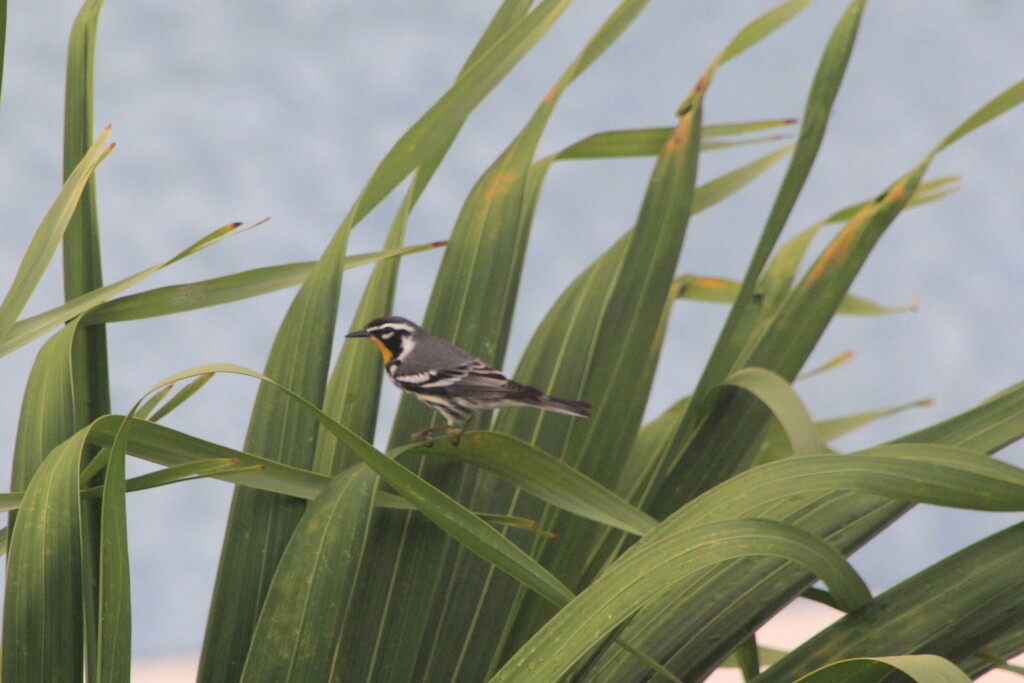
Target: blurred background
[235,111]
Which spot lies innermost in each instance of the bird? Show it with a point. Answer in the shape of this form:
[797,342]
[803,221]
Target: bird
[451,380]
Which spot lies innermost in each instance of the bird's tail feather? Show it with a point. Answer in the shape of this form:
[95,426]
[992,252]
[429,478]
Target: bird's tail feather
[564,406]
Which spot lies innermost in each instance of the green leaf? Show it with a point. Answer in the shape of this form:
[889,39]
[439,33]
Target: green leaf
[43,618]
[834,497]
[114,617]
[173,449]
[185,394]
[47,415]
[48,235]
[988,427]
[545,477]
[999,105]
[776,444]
[761,28]
[221,290]
[977,591]
[650,141]
[28,329]
[776,393]
[723,290]
[921,668]
[679,483]
[307,600]
[653,566]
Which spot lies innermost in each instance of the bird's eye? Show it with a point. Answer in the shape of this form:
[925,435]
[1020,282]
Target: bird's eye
[387,334]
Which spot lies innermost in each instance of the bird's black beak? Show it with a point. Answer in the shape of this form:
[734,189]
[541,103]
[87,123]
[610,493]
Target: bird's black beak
[358,333]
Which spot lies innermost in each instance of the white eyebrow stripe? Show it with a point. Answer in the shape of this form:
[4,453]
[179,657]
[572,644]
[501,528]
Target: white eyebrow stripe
[397,327]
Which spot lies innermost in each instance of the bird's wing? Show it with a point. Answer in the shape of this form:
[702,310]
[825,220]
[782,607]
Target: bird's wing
[472,378]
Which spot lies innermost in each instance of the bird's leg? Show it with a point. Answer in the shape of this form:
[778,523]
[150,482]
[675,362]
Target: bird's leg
[457,432]
[424,435]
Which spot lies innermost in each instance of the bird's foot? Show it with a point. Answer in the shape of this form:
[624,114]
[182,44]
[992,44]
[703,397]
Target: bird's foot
[456,434]
[424,435]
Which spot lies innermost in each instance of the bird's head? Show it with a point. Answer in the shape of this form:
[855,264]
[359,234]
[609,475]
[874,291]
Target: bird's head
[394,336]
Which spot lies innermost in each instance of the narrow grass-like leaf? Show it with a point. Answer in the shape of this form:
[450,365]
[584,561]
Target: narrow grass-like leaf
[989,426]
[761,27]
[662,563]
[147,408]
[777,280]
[1002,103]
[732,338]
[114,615]
[855,305]
[921,668]
[307,601]
[183,395]
[28,329]
[221,290]
[353,390]
[784,404]
[43,622]
[650,141]
[695,631]
[545,477]
[3,39]
[83,273]
[724,290]
[979,589]
[177,473]
[171,448]
[48,235]
[776,444]
[47,409]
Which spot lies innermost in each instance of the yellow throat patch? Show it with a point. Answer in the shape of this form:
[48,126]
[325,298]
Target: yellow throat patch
[385,352]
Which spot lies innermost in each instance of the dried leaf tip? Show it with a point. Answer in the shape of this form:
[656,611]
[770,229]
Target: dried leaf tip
[439,243]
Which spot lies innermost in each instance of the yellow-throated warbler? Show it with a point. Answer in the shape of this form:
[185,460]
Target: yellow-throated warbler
[451,381]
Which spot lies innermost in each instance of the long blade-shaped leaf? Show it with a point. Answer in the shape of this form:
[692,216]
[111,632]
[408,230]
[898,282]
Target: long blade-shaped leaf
[27,329]
[979,589]
[43,623]
[662,563]
[823,91]
[48,235]
[114,622]
[221,290]
[83,272]
[694,627]
[545,477]
[306,603]
[921,668]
